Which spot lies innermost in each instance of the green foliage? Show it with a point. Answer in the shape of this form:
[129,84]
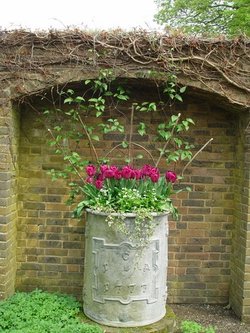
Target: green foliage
[67,135]
[42,312]
[129,195]
[175,148]
[173,91]
[207,17]
[112,125]
[188,326]
[89,119]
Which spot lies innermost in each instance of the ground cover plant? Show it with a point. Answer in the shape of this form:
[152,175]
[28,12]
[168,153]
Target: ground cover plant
[42,312]
[189,326]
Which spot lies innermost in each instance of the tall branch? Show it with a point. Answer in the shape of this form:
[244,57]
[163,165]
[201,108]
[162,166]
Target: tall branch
[198,152]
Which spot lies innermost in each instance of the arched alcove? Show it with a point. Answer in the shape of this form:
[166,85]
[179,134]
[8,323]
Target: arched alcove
[200,243]
[208,251]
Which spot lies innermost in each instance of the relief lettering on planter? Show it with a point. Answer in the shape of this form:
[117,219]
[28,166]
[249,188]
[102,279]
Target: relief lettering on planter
[136,279]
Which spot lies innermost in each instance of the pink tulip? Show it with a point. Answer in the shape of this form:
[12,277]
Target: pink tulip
[103,168]
[91,170]
[171,176]
[99,184]
[126,172]
[154,177]
[109,173]
[90,180]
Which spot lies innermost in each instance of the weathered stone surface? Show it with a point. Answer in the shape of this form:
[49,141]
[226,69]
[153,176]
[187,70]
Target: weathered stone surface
[165,325]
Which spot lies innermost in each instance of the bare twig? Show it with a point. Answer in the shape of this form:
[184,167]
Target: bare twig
[135,144]
[89,138]
[131,135]
[198,152]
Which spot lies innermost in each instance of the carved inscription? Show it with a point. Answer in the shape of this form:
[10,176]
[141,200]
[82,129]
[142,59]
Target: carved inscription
[122,274]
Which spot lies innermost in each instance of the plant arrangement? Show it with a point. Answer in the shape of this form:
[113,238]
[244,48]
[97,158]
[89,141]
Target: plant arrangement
[127,189]
[139,182]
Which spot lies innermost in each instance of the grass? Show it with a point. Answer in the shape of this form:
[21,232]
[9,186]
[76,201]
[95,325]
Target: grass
[42,312]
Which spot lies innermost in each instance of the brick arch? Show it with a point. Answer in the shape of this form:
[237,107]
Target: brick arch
[209,247]
[20,89]
[31,62]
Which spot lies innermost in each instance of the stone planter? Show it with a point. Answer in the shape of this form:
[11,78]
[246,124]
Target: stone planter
[124,286]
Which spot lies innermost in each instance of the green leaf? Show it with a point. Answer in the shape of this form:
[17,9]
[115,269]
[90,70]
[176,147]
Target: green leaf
[142,129]
[98,113]
[70,92]
[108,93]
[165,134]
[178,97]
[190,121]
[178,142]
[124,144]
[95,137]
[93,100]
[152,106]
[161,126]
[122,97]
[68,100]
[172,158]
[79,99]
[143,109]
[174,118]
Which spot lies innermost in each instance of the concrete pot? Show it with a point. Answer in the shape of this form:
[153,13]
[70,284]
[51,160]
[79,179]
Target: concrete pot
[124,286]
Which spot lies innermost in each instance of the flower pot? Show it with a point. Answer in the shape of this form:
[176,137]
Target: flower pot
[124,285]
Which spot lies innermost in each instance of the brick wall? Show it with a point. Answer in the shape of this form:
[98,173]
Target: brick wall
[246,217]
[9,133]
[240,265]
[49,243]
[200,244]
[50,251]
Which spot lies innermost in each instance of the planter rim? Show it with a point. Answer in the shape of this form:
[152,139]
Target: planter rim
[98,212]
